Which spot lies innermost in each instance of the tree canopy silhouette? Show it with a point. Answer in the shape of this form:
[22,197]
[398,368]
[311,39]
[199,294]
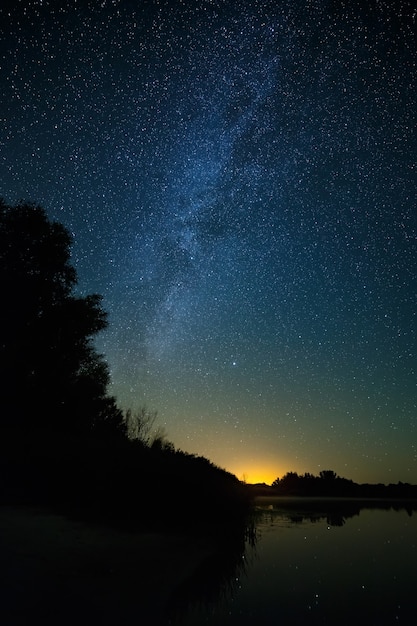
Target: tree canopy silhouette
[51,376]
[63,440]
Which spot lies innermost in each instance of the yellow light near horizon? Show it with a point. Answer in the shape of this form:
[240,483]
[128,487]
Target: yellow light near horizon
[254,479]
[257,474]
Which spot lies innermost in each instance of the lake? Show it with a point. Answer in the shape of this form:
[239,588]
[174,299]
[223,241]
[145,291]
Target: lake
[312,562]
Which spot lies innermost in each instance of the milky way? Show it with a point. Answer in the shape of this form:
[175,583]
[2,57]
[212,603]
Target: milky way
[241,186]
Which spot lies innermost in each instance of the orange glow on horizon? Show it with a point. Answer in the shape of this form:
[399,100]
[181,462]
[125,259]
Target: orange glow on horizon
[257,474]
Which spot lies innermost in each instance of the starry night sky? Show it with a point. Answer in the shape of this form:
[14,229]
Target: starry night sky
[240,179]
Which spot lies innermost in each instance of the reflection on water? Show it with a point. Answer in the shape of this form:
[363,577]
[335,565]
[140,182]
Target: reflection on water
[217,580]
[311,563]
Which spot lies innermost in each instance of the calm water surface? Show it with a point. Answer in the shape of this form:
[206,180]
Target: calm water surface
[340,567]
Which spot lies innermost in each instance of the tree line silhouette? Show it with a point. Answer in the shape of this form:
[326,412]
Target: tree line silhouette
[329,484]
[63,439]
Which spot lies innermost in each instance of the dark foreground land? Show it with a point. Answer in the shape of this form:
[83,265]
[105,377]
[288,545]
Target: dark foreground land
[54,570]
[100,531]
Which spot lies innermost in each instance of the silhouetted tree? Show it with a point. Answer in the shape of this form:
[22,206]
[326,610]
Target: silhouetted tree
[51,377]
[328,475]
[140,425]
[288,483]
